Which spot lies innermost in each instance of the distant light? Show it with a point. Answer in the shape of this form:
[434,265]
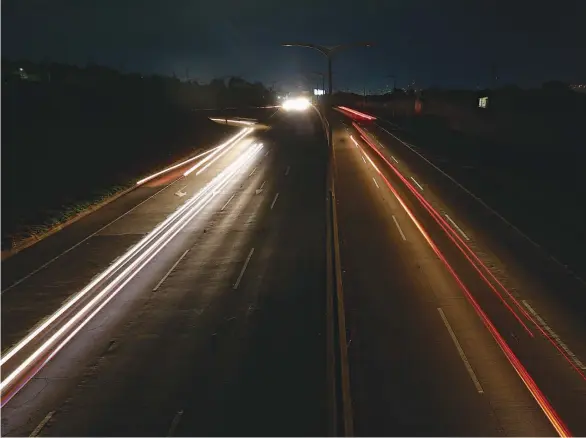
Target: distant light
[21,69]
[296,104]
[318,92]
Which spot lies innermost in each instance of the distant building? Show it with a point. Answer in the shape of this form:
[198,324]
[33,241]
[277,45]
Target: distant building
[578,88]
[25,75]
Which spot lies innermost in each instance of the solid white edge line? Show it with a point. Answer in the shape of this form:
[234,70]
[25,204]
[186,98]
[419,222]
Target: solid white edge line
[169,271]
[456,226]
[461,352]
[555,336]
[42,424]
[399,227]
[375,183]
[274,200]
[243,268]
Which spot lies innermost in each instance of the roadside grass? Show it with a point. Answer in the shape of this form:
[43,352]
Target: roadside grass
[51,218]
[58,166]
[30,215]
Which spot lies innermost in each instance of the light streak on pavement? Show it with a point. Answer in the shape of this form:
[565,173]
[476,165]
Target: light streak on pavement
[478,265]
[219,149]
[175,166]
[521,371]
[216,158]
[357,113]
[465,249]
[243,122]
[28,356]
[234,138]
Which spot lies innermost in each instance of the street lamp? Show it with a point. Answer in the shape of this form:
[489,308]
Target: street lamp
[328,52]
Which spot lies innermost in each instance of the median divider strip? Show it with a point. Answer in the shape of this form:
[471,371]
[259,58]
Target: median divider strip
[341,421]
[342,344]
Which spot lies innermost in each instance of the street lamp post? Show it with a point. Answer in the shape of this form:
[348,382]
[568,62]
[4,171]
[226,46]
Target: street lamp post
[328,52]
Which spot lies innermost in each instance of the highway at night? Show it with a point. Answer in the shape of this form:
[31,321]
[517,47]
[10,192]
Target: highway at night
[189,306]
[450,331]
[197,304]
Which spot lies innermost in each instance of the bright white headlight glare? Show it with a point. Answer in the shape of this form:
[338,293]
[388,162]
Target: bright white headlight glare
[297,104]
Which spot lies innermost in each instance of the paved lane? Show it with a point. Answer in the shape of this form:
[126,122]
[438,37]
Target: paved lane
[224,333]
[419,352]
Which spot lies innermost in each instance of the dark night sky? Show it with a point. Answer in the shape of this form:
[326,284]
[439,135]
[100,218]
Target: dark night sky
[446,43]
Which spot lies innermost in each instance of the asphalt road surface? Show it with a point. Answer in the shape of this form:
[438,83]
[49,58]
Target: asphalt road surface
[450,332]
[536,187]
[212,317]
[217,328]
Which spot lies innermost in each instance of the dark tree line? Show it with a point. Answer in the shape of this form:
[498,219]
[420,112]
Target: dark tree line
[102,84]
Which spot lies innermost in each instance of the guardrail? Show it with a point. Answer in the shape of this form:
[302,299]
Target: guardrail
[338,377]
